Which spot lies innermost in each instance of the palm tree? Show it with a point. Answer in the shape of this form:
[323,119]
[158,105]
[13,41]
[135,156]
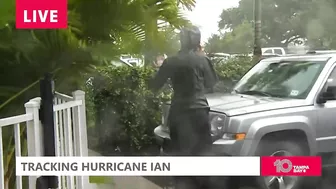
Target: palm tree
[32,53]
[137,19]
[95,28]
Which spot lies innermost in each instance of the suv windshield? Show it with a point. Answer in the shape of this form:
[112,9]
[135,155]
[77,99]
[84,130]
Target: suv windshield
[286,79]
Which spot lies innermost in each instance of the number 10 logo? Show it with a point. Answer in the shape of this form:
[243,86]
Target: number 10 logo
[279,164]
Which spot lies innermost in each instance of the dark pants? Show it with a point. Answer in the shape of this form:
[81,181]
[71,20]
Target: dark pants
[190,136]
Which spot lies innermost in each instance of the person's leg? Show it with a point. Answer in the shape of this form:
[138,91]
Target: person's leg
[201,131]
[202,145]
[182,139]
[180,133]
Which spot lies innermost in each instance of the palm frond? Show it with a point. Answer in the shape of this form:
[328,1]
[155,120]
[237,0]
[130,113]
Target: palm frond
[187,4]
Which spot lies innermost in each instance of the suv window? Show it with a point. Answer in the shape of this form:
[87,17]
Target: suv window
[269,51]
[278,51]
[286,79]
[331,82]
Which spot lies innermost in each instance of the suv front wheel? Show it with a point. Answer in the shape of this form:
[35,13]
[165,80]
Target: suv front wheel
[280,148]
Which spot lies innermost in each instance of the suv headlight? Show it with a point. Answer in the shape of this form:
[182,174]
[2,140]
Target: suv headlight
[217,123]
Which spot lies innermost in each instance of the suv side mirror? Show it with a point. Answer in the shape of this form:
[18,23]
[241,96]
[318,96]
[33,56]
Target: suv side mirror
[323,97]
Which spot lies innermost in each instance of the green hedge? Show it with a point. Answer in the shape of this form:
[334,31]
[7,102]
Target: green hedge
[234,68]
[122,112]
[231,71]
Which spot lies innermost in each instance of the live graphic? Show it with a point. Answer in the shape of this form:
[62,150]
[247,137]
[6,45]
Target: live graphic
[41,14]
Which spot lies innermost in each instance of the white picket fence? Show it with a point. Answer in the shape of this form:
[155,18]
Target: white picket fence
[70,135]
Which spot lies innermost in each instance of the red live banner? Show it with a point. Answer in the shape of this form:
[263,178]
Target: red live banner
[41,14]
[291,166]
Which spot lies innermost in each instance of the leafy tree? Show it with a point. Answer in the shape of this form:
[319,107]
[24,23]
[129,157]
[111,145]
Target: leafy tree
[239,40]
[214,44]
[320,33]
[283,21]
[168,41]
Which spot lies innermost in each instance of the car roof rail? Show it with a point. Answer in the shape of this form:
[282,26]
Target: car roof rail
[321,52]
[311,52]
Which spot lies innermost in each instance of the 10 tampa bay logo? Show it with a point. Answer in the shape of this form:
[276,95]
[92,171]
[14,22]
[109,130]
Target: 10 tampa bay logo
[286,166]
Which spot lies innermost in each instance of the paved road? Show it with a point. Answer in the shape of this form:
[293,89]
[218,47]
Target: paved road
[127,183]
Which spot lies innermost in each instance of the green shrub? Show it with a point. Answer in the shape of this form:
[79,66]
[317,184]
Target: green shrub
[230,71]
[234,68]
[122,112]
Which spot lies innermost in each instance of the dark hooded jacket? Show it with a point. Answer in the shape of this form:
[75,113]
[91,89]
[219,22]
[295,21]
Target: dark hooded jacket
[192,75]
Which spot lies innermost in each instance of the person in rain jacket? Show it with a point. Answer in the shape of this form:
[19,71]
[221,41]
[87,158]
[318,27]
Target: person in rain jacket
[192,76]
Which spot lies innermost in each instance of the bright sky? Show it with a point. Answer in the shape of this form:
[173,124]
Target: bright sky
[206,15]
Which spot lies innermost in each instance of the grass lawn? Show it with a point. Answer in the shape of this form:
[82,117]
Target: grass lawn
[101,180]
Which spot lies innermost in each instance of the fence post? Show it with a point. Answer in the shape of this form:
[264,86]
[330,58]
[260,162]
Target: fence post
[80,134]
[47,120]
[34,134]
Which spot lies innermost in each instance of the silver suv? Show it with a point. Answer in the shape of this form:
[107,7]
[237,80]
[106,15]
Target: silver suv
[283,106]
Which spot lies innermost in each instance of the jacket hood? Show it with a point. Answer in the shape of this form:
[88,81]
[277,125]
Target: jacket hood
[190,38]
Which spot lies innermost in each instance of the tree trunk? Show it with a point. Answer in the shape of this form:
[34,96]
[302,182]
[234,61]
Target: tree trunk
[6,182]
[151,35]
[257,28]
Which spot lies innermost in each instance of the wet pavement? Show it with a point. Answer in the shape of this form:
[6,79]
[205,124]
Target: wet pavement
[133,182]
